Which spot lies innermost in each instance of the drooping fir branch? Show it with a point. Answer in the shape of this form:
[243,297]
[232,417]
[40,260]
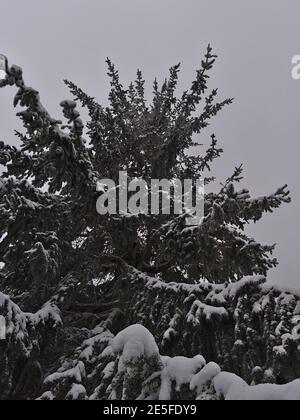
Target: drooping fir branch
[59,157]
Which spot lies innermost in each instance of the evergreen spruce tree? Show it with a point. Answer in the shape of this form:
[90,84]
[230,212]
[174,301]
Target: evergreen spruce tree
[73,279]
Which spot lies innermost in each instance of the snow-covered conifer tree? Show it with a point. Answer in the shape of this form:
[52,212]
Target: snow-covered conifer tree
[74,284]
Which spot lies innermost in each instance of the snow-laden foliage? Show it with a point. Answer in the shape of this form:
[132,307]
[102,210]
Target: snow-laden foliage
[23,348]
[247,327]
[130,367]
[72,280]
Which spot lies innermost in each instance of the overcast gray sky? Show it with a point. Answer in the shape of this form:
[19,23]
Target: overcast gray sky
[255,41]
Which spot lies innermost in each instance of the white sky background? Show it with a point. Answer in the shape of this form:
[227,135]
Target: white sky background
[255,41]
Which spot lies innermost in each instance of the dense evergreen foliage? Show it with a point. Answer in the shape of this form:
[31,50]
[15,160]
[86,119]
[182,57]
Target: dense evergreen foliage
[71,274]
